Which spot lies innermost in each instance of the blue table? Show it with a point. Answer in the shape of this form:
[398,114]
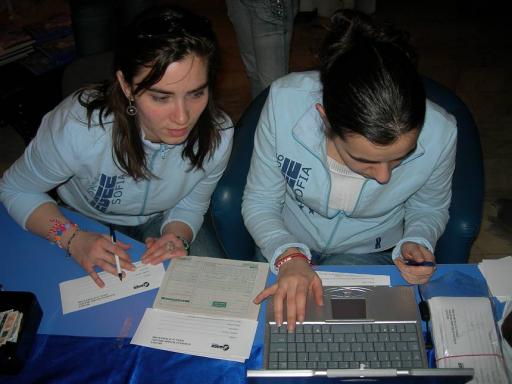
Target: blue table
[92,345]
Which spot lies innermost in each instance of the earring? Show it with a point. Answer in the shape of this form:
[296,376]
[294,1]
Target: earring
[131,109]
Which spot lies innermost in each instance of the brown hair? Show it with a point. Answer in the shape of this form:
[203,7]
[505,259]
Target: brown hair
[155,39]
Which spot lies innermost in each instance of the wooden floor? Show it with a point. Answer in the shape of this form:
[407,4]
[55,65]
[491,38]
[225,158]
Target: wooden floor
[464,45]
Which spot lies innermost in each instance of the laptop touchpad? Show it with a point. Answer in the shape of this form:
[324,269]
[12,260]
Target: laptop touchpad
[348,309]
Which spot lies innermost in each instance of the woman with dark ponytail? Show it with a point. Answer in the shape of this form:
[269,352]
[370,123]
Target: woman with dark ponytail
[351,165]
[142,153]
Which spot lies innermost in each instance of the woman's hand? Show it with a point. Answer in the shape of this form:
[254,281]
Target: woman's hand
[411,273]
[91,250]
[294,281]
[166,247]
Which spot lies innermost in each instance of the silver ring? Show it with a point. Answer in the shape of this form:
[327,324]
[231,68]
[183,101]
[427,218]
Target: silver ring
[169,246]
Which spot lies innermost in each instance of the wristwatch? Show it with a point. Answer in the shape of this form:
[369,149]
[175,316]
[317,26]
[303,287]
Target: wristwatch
[186,244]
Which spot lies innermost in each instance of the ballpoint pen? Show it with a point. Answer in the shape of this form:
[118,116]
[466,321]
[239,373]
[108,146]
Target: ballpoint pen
[415,263]
[118,266]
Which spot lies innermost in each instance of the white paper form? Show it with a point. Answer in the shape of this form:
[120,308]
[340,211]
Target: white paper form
[211,286]
[465,336]
[83,292]
[227,339]
[340,279]
[497,273]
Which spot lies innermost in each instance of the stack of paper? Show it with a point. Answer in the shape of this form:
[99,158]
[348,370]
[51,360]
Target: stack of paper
[204,307]
[465,336]
[498,273]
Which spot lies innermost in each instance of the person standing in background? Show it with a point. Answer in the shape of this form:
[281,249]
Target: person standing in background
[264,31]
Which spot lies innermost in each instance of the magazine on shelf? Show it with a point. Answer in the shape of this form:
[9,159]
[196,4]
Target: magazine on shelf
[15,55]
[53,28]
[15,43]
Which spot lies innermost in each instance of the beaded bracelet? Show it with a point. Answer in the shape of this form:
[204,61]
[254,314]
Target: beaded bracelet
[68,252]
[57,230]
[279,262]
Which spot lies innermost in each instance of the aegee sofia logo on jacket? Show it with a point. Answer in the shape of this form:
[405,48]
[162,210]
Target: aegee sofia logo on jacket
[109,190]
[296,176]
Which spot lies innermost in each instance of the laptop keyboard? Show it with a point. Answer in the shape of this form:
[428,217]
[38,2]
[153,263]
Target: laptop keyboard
[345,346]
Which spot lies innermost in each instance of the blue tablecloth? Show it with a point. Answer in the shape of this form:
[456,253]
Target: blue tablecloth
[92,345]
[72,359]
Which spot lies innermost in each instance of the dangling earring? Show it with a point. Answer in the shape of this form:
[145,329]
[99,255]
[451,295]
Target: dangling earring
[131,109]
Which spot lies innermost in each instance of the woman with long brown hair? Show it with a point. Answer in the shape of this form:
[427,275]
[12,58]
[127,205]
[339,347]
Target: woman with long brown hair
[142,152]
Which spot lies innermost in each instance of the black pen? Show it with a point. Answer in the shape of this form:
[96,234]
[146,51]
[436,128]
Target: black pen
[415,263]
[113,239]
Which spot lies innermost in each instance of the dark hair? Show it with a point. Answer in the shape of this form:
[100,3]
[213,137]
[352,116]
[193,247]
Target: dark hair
[370,83]
[156,38]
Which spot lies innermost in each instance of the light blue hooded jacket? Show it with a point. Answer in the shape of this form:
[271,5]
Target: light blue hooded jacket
[285,201]
[80,161]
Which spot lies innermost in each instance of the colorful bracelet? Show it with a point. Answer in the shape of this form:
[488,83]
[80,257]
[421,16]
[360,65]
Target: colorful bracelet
[57,230]
[279,262]
[68,252]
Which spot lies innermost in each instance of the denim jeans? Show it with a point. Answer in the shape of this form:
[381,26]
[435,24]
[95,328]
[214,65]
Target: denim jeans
[205,243]
[264,31]
[376,258]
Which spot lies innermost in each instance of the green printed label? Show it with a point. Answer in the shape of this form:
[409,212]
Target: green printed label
[219,304]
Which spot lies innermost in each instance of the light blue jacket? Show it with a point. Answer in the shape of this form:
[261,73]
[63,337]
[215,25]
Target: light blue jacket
[79,160]
[285,201]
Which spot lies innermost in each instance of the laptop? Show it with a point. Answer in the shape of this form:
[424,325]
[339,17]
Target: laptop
[360,334]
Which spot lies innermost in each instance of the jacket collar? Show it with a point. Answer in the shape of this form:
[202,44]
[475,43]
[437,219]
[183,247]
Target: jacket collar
[309,130]
[161,147]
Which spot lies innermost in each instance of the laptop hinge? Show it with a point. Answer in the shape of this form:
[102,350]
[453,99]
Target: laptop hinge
[373,372]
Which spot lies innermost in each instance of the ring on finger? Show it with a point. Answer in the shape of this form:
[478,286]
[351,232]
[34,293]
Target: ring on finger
[169,246]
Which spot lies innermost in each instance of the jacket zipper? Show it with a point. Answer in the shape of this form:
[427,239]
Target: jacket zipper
[146,192]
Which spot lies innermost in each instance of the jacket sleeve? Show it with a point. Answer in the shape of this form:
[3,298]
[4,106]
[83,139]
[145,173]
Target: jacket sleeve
[426,211]
[191,209]
[265,191]
[47,162]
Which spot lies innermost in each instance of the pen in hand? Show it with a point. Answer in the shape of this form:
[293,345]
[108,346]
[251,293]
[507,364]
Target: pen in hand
[118,266]
[415,263]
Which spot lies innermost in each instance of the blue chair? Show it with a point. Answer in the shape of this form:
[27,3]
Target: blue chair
[467,188]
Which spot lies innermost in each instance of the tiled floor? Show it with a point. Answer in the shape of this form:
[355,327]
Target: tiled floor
[462,44]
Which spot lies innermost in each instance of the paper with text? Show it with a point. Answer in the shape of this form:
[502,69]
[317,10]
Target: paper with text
[83,292]
[211,286]
[497,274]
[341,279]
[220,338]
[465,336]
